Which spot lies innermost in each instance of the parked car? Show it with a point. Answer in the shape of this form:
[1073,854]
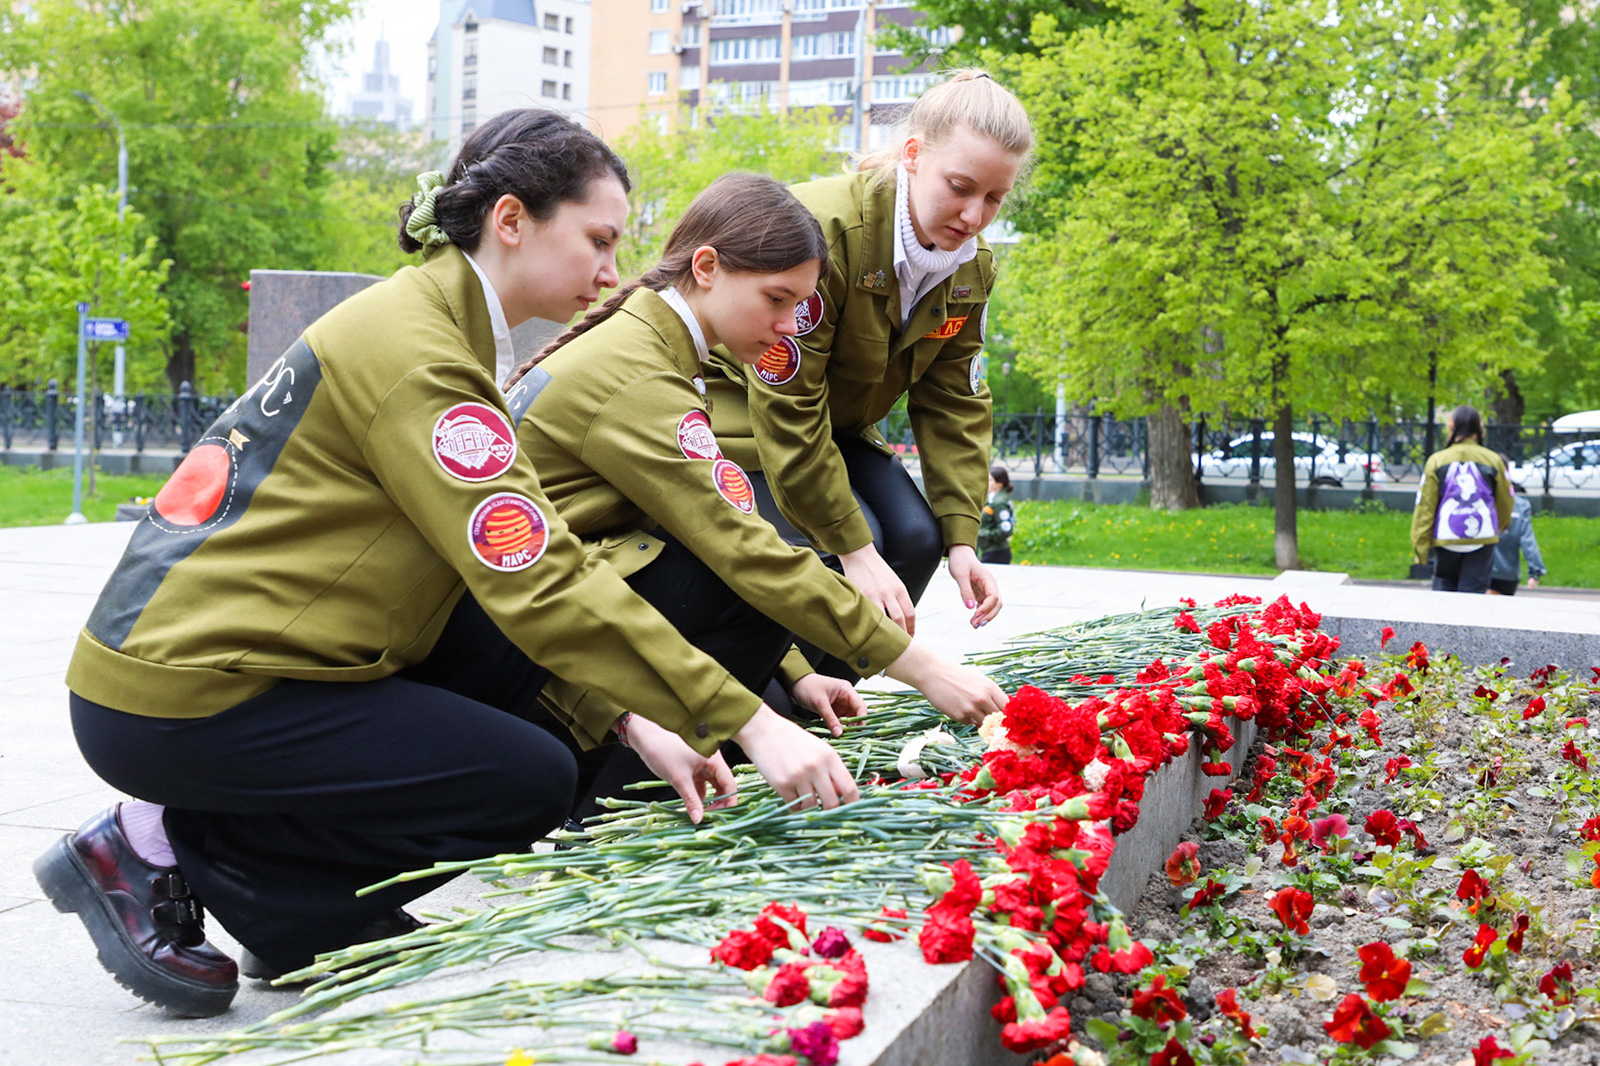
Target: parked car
[1572,466]
[1233,461]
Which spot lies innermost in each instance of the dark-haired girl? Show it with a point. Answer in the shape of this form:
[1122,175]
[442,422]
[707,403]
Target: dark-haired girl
[1463,503]
[615,417]
[998,520]
[261,668]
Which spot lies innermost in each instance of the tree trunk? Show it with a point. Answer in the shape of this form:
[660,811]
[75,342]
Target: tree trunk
[1172,486]
[1506,403]
[1285,531]
[180,364]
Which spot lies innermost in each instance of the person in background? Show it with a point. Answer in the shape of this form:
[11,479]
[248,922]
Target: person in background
[997,521]
[1463,503]
[1517,540]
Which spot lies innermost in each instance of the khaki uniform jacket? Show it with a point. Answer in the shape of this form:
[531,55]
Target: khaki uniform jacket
[854,362]
[1425,514]
[323,527]
[621,435]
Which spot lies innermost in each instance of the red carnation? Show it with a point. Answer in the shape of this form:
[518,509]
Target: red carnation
[743,950]
[946,936]
[1185,620]
[1183,867]
[1129,960]
[774,933]
[1384,975]
[1382,826]
[1228,1007]
[884,933]
[624,1043]
[1159,1003]
[1473,956]
[1293,906]
[1020,1036]
[846,1022]
[1354,1021]
[789,985]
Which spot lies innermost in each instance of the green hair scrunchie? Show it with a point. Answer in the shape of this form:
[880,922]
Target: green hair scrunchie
[422,226]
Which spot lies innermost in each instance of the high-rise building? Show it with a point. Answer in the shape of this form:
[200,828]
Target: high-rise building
[654,56]
[379,98]
[488,56]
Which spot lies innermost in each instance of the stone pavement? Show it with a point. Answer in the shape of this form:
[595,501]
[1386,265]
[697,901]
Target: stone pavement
[58,1005]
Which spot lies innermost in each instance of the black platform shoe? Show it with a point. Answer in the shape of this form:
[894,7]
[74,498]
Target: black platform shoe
[146,926]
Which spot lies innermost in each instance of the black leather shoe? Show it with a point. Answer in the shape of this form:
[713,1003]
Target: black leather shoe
[395,923]
[146,926]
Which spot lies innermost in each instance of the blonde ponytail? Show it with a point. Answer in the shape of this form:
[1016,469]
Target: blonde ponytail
[967,97]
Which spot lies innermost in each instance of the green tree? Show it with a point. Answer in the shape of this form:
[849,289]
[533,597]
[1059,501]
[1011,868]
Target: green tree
[229,150]
[988,27]
[374,171]
[668,169]
[62,256]
[1286,209]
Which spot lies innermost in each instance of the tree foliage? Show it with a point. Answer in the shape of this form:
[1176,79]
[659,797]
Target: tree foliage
[229,149]
[988,27]
[374,171]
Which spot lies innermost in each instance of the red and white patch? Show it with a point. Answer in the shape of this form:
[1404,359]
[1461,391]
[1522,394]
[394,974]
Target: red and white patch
[508,532]
[808,314]
[695,438]
[780,363]
[198,490]
[951,327]
[734,485]
[474,442]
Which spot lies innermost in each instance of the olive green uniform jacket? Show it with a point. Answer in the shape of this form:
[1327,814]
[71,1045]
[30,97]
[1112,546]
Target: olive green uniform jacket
[1424,516]
[855,361]
[621,436]
[323,527]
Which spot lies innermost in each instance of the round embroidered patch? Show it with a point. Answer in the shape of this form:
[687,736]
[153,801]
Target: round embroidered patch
[195,490]
[983,326]
[975,373]
[808,314]
[734,485]
[780,363]
[695,438]
[508,532]
[474,442]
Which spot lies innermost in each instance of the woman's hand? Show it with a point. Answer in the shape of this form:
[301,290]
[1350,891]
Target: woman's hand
[798,765]
[679,765]
[979,590]
[830,698]
[868,572]
[960,692]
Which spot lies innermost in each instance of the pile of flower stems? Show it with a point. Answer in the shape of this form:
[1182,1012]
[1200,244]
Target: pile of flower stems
[641,871]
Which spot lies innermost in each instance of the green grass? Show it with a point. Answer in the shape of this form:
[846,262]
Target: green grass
[33,497]
[1237,539]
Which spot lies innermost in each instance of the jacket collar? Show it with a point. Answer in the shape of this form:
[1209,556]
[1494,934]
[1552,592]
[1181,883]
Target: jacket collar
[648,307]
[464,299]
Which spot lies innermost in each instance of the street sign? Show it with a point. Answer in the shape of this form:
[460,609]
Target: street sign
[105,329]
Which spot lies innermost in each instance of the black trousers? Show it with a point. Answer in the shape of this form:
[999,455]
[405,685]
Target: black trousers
[280,808]
[1463,571]
[904,530]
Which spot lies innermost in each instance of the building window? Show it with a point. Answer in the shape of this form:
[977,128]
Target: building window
[898,87]
[660,42]
[691,35]
[469,121]
[937,37]
[572,24]
[756,11]
[551,55]
[469,27]
[547,88]
[566,90]
[689,78]
[469,87]
[552,22]
[656,82]
[469,52]
[743,49]
[808,10]
[566,58]
[658,7]
[842,43]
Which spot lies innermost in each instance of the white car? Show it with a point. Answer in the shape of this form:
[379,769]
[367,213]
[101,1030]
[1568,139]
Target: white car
[1233,461]
[1572,466]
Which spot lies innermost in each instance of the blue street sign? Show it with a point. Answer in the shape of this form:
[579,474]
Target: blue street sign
[105,329]
[83,309]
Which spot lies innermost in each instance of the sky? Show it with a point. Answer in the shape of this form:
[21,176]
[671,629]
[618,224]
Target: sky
[406,25]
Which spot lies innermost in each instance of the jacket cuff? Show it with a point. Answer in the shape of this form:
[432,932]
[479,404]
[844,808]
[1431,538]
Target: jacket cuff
[887,643]
[845,535]
[722,716]
[959,529]
[793,667]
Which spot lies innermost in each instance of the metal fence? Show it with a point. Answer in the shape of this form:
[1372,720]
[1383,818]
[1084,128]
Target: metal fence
[44,418]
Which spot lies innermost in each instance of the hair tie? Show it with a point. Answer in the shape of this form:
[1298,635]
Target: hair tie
[422,226]
[984,74]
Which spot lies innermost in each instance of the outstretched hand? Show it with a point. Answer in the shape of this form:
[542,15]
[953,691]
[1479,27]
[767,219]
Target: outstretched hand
[830,698]
[798,765]
[866,570]
[979,590]
[686,770]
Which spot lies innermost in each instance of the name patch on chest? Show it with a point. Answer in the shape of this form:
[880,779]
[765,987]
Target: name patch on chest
[474,442]
[508,532]
[780,363]
[734,485]
[695,438]
[808,314]
[948,330]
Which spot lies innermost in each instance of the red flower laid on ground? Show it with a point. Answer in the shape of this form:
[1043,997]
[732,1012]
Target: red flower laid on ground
[1216,803]
[1473,956]
[946,936]
[881,933]
[1392,768]
[1174,1054]
[743,950]
[817,1043]
[1185,620]
[1353,1021]
[1228,1007]
[1384,975]
[1514,940]
[1129,960]
[1159,1003]
[1183,866]
[1556,985]
[1293,906]
[1383,827]
[789,985]
[1385,637]
[624,1043]
[775,934]
[1021,1036]
[846,1022]
[1488,1050]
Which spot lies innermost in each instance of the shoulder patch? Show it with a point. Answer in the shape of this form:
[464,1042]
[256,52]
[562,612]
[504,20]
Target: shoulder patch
[951,327]
[983,326]
[474,442]
[200,492]
[523,393]
[695,438]
[734,485]
[808,314]
[780,363]
[508,532]
[975,374]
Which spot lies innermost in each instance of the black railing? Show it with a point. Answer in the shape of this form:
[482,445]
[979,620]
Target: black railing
[44,418]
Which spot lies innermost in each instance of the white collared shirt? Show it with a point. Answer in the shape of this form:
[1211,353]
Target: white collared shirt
[916,283]
[504,357]
[675,300]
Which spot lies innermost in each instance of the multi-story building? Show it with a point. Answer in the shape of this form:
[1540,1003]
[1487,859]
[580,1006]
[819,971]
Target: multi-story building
[488,56]
[379,98]
[653,57]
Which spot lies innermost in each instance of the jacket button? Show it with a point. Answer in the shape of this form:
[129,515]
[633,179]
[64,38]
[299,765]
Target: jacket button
[702,730]
[863,662]
[644,547]
[938,312]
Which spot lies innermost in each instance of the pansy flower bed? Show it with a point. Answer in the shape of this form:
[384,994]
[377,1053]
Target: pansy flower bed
[991,844]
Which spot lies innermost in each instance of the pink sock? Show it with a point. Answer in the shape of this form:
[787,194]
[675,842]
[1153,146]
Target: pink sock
[141,824]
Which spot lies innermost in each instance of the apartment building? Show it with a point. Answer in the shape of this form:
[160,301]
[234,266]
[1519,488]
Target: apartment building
[488,56]
[664,58]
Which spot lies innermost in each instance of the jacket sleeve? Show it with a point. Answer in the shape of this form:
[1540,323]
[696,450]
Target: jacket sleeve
[1530,548]
[708,505]
[794,435]
[1423,514]
[1502,494]
[574,616]
[952,418]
